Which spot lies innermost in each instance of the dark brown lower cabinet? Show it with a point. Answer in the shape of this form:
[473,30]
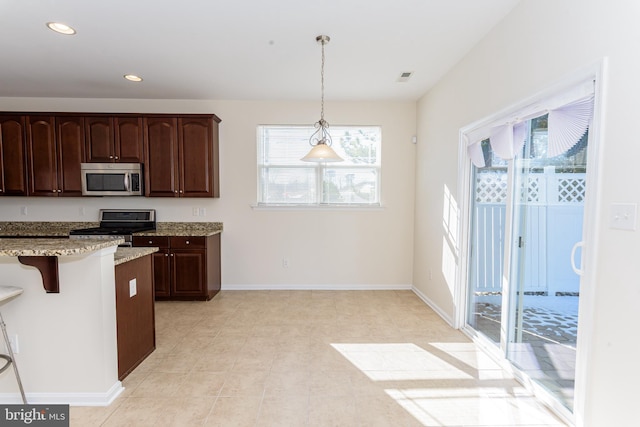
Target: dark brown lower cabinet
[135,314]
[185,268]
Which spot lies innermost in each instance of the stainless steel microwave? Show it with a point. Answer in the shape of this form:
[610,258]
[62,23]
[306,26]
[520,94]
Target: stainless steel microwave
[112,179]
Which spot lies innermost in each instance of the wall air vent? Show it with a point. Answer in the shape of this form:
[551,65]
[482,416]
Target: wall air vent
[405,76]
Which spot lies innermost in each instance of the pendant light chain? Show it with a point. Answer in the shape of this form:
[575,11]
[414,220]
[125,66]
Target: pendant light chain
[322,41]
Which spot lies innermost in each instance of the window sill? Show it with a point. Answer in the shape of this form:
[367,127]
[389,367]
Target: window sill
[345,207]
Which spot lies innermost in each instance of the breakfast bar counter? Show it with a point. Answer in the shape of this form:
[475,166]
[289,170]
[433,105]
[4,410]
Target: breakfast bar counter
[53,246]
[68,341]
[41,228]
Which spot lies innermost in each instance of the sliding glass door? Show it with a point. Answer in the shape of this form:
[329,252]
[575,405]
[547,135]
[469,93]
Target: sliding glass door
[523,293]
[488,222]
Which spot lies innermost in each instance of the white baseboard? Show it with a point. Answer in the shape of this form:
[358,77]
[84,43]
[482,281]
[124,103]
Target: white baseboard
[433,306]
[314,287]
[73,399]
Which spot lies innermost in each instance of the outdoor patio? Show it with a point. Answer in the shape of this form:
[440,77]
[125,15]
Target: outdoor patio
[547,352]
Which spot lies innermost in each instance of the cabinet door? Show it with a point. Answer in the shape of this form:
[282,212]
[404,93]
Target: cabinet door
[161,154]
[41,156]
[129,139]
[188,273]
[70,147]
[161,262]
[161,273]
[13,163]
[195,144]
[99,139]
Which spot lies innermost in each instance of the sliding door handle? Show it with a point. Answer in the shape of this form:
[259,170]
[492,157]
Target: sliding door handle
[578,271]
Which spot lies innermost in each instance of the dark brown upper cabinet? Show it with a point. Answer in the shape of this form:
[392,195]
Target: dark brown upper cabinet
[55,150]
[114,139]
[198,148]
[13,163]
[41,153]
[161,156]
[181,156]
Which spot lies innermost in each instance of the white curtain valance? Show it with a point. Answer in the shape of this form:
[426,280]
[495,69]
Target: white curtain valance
[567,124]
[476,154]
[507,140]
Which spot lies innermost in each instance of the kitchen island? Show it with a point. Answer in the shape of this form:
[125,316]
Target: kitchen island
[67,341]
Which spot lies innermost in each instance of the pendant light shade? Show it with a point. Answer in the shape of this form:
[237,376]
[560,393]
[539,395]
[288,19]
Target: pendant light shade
[322,152]
[320,141]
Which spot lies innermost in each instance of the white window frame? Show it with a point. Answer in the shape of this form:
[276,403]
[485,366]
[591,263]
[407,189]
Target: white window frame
[319,169]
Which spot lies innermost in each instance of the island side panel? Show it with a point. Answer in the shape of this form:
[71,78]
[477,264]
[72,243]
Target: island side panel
[67,341]
[135,313]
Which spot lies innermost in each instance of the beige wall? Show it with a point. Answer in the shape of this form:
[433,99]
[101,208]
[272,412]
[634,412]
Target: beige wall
[540,43]
[325,249]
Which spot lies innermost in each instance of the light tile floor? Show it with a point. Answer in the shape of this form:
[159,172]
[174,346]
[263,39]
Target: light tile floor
[314,358]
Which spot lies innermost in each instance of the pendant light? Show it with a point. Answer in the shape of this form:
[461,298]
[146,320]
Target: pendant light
[320,141]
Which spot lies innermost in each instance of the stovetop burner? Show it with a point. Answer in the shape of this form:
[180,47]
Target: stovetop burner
[115,222]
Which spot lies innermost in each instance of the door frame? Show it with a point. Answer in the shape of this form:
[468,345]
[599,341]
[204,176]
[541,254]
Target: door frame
[598,73]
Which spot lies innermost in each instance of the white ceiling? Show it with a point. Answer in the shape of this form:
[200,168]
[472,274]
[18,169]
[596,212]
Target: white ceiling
[237,49]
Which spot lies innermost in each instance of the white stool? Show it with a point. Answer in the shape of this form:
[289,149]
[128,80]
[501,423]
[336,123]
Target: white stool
[6,294]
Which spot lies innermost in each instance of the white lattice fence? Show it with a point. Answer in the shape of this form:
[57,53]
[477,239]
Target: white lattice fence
[547,188]
[554,223]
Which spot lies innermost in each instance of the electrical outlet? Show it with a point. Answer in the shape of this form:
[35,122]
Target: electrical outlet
[194,211]
[202,211]
[133,288]
[23,210]
[285,262]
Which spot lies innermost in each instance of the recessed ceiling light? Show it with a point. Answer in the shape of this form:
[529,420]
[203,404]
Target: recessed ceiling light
[61,28]
[133,78]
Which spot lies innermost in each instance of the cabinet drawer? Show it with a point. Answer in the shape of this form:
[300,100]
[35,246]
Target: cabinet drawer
[187,242]
[146,241]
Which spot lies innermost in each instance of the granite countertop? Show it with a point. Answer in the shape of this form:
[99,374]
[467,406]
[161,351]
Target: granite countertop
[123,255]
[53,247]
[62,229]
[38,228]
[184,229]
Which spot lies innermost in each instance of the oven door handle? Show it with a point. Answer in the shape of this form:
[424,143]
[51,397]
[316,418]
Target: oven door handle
[127,183]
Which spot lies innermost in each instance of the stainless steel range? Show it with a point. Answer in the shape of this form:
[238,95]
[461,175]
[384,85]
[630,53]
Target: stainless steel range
[119,223]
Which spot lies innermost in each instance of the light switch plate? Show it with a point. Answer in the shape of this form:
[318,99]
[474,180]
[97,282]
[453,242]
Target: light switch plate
[133,288]
[623,216]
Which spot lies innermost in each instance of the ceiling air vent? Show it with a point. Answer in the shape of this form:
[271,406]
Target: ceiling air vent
[405,76]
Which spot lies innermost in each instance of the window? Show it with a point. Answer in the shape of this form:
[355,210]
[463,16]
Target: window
[284,179]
